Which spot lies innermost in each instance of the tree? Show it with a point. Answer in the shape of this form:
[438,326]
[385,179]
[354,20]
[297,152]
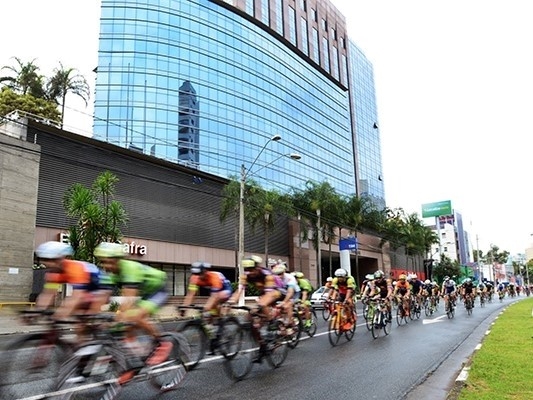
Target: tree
[11,101]
[64,81]
[98,216]
[446,267]
[26,79]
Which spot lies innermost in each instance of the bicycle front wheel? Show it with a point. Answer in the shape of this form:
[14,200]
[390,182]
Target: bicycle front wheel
[349,333]
[169,374]
[334,331]
[197,340]
[326,311]
[386,323]
[30,365]
[297,328]
[400,315]
[277,349]
[370,317]
[311,329]
[238,366]
[229,336]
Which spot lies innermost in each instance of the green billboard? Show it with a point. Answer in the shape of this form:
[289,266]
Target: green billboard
[437,209]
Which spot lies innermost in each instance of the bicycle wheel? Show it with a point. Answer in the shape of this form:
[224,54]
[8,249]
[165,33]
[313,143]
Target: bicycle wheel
[197,340]
[334,331]
[311,329]
[229,336]
[92,372]
[297,327]
[427,308]
[376,325]
[278,348]
[385,323]
[238,366]
[468,305]
[370,316]
[365,311]
[349,333]
[400,317]
[169,374]
[326,311]
[30,365]
[417,311]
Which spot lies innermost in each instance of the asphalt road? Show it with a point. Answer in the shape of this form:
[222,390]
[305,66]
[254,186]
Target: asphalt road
[385,368]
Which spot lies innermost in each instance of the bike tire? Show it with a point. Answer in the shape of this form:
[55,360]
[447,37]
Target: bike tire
[386,324]
[334,332]
[240,365]
[297,327]
[277,349]
[326,312]
[229,336]
[169,374]
[370,317]
[311,330]
[375,326]
[349,334]
[400,316]
[30,365]
[197,340]
[102,369]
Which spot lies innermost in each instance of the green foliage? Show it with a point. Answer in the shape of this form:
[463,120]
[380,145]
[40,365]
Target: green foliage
[250,290]
[98,217]
[11,101]
[446,267]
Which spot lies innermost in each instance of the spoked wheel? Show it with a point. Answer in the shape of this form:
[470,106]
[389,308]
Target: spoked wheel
[449,310]
[297,328]
[277,349]
[349,333]
[400,316]
[370,317]
[197,340]
[376,326]
[417,311]
[229,336]
[326,311]
[365,311]
[334,331]
[92,373]
[386,323]
[311,329]
[427,308]
[238,366]
[30,366]
[169,374]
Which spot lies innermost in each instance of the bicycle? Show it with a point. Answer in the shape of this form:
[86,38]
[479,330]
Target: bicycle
[99,368]
[327,309]
[274,344]
[449,307]
[415,308]
[309,325]
[220,336]
[380,317]
[343,322]
[31,362]
[469,304]
[401,313]
[482,300]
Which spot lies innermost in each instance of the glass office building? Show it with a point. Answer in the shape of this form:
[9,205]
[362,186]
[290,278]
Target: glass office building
[207,84]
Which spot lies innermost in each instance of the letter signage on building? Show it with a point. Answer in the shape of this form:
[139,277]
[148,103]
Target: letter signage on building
[135,249]
[437,209]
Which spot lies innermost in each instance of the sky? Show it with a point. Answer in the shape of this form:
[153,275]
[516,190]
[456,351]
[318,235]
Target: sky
[454,89]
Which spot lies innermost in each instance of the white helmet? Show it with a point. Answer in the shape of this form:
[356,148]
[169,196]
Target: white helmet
[109,250]
[279,269]
[427,281]
[341,272]
[52,250]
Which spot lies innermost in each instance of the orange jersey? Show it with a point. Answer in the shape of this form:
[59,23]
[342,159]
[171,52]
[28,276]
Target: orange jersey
[213,280]
[402,287]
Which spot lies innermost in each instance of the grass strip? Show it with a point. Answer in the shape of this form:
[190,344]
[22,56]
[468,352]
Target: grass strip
[503,367]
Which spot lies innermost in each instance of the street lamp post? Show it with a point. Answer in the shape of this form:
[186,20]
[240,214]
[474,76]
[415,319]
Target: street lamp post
[244,175]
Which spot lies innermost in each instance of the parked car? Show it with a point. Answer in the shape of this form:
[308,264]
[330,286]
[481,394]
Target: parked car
[317,298]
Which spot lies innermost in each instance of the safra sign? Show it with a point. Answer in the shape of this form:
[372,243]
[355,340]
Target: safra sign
[135,249]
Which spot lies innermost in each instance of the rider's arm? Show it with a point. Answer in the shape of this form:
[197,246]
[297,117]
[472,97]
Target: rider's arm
[192,290]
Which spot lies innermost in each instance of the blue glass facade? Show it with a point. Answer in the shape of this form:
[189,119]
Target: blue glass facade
[195,82]
[368,144]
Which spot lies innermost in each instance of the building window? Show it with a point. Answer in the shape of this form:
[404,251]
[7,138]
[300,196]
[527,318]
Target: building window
[292,25]
[316,51]
[265,16]
[314,14]
[324,25]
[279,16]
[333,34]
[325,52]
[343,43]
[305,41]
[335,61]
[250,7]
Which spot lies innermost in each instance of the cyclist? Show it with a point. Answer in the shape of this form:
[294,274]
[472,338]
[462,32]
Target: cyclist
[380,287]
[89,293]
[402,290]
[292,290]
[490,290]
[366,283]
[343,289]
[306,290]
[501,290]
[448,290]
[270,287]
[482,291]
[137,280]
[416,290]
[468,290]
[328,283]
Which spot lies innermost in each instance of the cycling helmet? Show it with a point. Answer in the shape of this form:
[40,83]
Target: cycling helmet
[279,269]
[52,250]
[248,263]
[402,277]
[369,277]
[109,250]
[329,279]
[414,276]
[341,273]
[199,267]
[379,274]
[256,259]
[468,280]
[446,278]
[427,281]
[299,275]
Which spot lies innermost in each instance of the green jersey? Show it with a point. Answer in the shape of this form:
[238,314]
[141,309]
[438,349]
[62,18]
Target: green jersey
[305,285]
[142,277]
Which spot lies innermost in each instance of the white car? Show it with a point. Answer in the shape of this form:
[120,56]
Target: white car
[317,298]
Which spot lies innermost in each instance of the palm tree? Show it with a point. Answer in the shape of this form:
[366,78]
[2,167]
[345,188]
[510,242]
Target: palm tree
[26,79]
[67,80]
